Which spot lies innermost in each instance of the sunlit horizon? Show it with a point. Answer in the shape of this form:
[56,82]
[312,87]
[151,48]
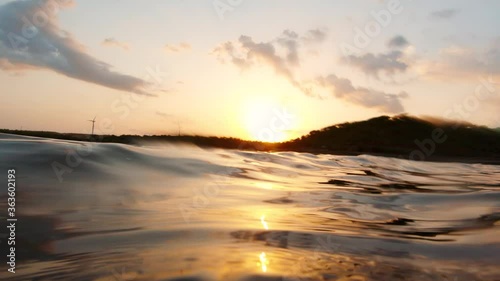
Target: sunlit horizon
[321,63]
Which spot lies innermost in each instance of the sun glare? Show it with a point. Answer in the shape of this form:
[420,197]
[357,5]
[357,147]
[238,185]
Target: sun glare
[266,121]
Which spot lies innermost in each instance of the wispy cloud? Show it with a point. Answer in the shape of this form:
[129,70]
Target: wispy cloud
[246,53]
[374,64]
[112,42]
[443,14]
[283,55]
[458,62]
[342,88]
[392,62]
[289,41]
[47,46]
[177,48]
[315,36]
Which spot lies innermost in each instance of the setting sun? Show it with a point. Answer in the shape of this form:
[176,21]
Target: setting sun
[267,120]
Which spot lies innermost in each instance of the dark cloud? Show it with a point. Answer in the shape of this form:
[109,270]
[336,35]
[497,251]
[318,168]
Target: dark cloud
[342,88]
[44,45]
[375,64]
[398,41]
[444,14]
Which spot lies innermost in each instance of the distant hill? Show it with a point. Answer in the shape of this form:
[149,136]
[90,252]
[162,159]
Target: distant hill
[404,136]
[400,136]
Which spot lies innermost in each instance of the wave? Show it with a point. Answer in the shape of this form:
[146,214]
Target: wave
[95,211]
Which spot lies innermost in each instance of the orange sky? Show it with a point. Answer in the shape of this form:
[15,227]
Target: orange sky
[254,70]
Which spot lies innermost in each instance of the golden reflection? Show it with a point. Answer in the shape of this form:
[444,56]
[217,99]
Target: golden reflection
[264,223]
[264,185]
[263,261]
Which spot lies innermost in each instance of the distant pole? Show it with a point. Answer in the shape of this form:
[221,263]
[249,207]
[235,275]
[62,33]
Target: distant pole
[93,121]
[179,127]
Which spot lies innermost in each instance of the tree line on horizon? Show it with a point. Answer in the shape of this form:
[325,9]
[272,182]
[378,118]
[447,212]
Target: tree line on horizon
[398,135]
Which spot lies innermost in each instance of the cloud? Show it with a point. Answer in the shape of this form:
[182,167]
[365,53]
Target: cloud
[289,41]
[8,66]
[44,45]
[112,42]
[314,36]
[375,64]
[246,53]
[443,14]
[397,41]
[459,63]
[176,48]
[342,88]
[283,55]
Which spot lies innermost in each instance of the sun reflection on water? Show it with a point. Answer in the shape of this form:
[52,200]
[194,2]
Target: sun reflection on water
[264,223]
[263,261]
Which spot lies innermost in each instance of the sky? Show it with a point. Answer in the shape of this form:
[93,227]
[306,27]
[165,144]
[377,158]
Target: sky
[260,70]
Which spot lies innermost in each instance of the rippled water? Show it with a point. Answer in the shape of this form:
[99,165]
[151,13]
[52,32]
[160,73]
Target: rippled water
[165,212]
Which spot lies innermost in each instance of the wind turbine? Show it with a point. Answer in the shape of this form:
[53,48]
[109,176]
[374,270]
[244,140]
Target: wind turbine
[93,121]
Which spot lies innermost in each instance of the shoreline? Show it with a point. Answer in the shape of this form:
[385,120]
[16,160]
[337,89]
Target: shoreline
[271,147]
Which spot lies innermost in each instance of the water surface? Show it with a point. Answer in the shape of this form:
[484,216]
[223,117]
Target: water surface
[178,212]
